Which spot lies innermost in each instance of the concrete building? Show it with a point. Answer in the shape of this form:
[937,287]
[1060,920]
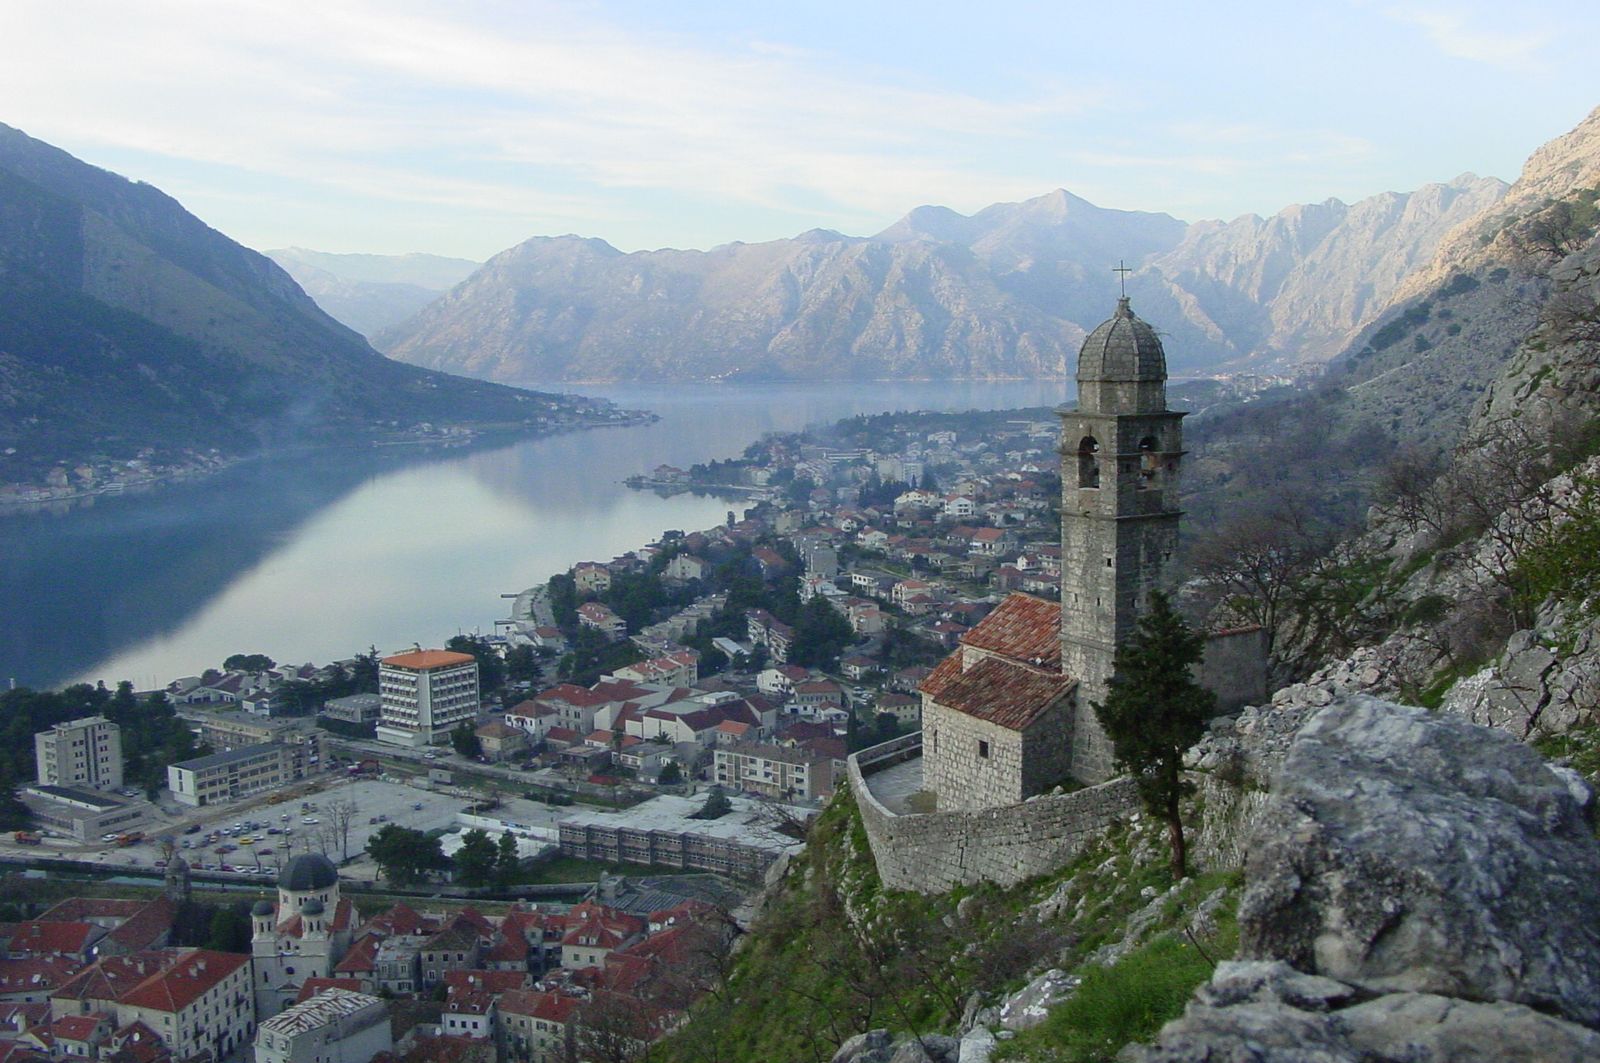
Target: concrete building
[335,1026]
[426,694]
[195,1001]
[237,773]
[357,708]
[235,731]
[774,771]
[663,830]
[84,753]
[82,814]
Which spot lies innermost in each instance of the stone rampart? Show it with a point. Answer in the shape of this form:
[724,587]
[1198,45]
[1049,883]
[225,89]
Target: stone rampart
[937,851]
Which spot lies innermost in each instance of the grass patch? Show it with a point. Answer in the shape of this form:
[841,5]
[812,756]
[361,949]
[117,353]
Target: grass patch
[1115,1005]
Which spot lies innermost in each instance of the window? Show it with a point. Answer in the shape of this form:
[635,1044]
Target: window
[983,748]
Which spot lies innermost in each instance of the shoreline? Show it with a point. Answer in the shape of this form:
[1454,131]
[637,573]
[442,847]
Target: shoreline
[39,500]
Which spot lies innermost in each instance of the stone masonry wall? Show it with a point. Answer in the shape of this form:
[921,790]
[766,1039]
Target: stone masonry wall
[938,851]
[953,767]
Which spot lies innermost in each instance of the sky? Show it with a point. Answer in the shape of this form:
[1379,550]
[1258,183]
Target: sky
[389,126]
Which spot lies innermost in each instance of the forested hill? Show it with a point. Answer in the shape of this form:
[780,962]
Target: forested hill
[127,323]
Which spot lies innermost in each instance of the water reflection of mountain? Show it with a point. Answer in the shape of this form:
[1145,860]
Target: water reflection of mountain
[76,588]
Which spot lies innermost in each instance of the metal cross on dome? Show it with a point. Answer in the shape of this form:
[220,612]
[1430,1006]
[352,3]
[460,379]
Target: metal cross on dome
[1123,270]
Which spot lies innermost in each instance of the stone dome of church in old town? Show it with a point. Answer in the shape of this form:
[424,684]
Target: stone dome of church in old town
[308,872]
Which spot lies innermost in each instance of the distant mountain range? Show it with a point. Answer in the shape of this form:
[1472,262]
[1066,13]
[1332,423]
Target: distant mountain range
[372,292]
[127,324]
[1008,292]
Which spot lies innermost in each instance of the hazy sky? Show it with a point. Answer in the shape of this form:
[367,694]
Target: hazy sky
[464,128]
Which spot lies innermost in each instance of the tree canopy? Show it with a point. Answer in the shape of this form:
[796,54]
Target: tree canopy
[1155,711]
[404,855]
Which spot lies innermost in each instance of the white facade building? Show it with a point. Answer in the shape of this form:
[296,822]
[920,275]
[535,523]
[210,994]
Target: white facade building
[335,1026]
[84,753]
[426,694]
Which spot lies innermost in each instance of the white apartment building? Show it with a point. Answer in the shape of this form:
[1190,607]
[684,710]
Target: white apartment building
[84,753]
[335,1026]
[426,694]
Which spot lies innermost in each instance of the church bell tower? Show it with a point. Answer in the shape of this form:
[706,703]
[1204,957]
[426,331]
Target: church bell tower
[1120,453]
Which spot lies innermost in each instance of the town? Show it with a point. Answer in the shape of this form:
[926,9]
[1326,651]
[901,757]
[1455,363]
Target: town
[683,709]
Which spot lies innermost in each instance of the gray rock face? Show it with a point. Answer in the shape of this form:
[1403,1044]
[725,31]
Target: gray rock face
[1409,852]
[1422,891]
[1030,1005]
[874,1046]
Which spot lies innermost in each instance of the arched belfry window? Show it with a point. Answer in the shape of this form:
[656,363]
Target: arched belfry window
[1149,462]
[1089,462]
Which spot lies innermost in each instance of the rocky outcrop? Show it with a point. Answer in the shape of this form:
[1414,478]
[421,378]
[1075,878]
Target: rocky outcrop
[1534,688]
[1419,889]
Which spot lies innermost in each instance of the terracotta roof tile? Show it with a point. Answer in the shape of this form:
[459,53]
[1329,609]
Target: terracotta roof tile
[1010,695]
[186,981]
[1023,628]
[422,659]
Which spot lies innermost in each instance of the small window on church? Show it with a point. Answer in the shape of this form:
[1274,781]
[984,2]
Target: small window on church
[983,748]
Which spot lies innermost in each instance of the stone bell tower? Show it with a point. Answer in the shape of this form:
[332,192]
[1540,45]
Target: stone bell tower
[1120,453]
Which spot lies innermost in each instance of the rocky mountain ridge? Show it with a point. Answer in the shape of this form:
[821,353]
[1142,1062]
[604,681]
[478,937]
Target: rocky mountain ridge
[129,326]
[1006,292]
[372,292]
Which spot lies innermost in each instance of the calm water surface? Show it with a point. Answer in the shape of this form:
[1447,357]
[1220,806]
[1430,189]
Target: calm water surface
[316,559]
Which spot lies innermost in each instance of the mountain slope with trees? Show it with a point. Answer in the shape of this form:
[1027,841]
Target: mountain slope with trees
[127,324]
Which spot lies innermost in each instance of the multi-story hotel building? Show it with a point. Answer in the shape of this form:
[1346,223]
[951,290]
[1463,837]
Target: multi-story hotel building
[83,753]
[426,695]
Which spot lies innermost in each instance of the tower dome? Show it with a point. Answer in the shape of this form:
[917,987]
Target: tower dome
[307,872]
[263,908]
[312,907]
[1122,367]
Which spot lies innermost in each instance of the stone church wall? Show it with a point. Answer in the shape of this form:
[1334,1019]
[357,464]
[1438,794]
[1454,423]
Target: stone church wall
[938,851]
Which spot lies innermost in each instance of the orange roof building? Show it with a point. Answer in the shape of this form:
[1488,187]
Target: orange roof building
[997,714]
[426,695]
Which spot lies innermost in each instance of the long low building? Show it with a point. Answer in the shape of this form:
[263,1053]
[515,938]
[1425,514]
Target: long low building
[82,814]
[236,773]
[663,831]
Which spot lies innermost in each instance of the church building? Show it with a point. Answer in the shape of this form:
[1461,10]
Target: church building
[301,936]
[1010,714]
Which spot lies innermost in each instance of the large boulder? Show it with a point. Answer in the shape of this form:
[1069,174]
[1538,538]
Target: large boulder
[1408,851]
[1420,890]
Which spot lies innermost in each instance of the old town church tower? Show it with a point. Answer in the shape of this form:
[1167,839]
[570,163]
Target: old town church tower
[1121,449]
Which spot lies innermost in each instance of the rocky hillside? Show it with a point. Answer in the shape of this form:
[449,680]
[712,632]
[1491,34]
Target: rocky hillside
[127,324]
[1455,325]
[369,293]
[1006,292]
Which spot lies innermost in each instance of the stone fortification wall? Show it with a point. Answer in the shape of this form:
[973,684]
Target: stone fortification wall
[938,851]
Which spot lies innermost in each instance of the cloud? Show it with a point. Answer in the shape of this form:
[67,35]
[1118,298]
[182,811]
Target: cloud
[535,110]
[1455,35]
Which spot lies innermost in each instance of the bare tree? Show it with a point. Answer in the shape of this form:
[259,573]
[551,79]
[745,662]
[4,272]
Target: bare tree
[1258,563]
[341,813]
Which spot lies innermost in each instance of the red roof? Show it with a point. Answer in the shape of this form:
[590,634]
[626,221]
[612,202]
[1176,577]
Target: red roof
[1023,628]
[48,938]
[572,694]
[312,986]
[362,957]
[87,909]
[551,1007]
[185,982]
[37,974]
[78,1027]
[994,689]
[422,660]
[491,981]
[147,928]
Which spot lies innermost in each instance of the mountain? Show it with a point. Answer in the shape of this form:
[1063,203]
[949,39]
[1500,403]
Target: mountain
[127,324]
[1006,292]
[1485,324]
[371,292]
